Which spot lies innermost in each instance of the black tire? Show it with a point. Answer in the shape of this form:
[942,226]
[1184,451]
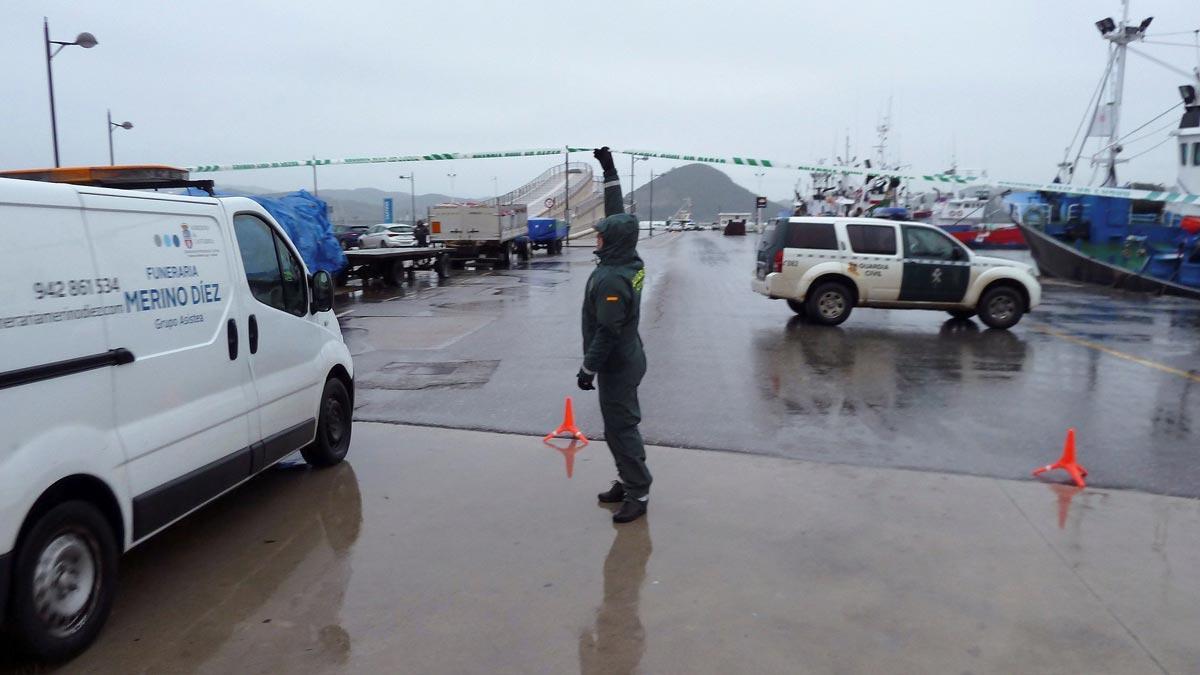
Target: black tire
[1001,307]
[799,308]
[443,266]
[73,535]
[961,314]
[333,427]
[395,274]
[506,256]
[830,303]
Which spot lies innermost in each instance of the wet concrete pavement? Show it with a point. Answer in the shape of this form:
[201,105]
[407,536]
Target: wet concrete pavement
[440,551]
[730,370]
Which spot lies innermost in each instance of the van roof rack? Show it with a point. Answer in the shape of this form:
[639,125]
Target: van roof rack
[128,177]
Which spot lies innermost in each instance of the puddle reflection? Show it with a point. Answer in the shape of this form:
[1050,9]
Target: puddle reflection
[569,453]
[616,641]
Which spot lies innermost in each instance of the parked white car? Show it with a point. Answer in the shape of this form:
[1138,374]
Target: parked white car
[155,353]
[824,267]
[388,236]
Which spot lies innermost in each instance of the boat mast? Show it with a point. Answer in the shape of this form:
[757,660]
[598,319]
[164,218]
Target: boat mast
[1120,35]
[1121,39]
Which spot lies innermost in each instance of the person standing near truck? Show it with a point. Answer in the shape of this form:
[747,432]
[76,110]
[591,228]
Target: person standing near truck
[612,348]
[421,233]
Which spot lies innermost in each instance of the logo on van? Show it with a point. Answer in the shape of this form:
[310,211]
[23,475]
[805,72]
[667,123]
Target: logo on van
[187,236]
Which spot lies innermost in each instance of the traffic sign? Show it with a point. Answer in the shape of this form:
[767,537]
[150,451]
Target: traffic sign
[760,202]
[388,210]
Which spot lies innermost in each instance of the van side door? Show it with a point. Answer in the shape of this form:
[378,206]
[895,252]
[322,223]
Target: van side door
[936,268]
[183,407]
[285,343]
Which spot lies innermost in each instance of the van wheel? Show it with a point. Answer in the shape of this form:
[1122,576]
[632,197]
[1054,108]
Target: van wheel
[799,308]
[1001,307]
[333,427]
[830,303]
[961,314]
[63,581]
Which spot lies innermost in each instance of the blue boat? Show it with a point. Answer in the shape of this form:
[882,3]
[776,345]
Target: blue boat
[1148,241]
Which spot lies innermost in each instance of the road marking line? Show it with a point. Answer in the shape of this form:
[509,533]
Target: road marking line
[345,313]
[1187,374]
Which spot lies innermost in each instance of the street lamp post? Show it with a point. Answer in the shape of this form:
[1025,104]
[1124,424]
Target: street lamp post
[412,195]
[451,176]
[757,210]
[113,125]
[85,40]
[633,183]
[651,186]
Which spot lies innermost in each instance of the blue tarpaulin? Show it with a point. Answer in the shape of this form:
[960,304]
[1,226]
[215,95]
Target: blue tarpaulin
[303,217]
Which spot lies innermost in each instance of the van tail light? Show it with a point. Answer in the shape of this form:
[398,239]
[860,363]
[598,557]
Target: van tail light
[779,260]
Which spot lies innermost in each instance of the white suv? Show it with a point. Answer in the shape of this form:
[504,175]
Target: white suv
[824,267]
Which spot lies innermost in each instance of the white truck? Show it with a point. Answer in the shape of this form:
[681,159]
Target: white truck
[479,232]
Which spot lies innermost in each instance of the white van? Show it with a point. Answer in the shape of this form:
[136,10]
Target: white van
[155,352]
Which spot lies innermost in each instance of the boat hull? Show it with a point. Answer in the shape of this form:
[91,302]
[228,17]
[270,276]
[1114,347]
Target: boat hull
[1056,259]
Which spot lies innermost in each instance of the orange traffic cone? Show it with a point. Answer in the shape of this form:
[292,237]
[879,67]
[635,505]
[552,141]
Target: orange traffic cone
[568,426]
[1067,461]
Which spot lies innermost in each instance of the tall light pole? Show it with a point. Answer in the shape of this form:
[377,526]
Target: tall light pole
[633,183]
[451,176]
[412,195]
[651,186]
[85,40]
[113,125]
[757,210]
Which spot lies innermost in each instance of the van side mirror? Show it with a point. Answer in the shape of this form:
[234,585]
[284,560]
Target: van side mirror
[322,291]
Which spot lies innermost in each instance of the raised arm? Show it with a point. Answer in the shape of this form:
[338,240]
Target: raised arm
[614,199]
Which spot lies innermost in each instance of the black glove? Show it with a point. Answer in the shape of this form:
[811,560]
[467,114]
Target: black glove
[604,156]
[585,379]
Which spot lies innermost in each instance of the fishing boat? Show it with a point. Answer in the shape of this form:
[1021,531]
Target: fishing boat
[1150,243]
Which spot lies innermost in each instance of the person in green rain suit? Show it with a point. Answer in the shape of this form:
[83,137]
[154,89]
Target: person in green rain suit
[612,348]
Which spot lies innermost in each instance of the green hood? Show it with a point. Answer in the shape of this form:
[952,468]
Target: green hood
[620,234]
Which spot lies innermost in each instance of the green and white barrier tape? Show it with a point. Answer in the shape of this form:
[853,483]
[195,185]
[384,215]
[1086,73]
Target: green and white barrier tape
[1147,195]
[436,156]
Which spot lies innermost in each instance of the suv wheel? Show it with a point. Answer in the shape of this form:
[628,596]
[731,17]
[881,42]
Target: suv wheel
[798,307]
[1001,307]
[830,303]
[63,583]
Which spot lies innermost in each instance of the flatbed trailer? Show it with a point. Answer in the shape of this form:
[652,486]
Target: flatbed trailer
[394,265]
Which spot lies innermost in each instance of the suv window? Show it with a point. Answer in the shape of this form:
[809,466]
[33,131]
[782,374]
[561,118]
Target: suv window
[812,235]
[922,242]
[874,239]
[275,276]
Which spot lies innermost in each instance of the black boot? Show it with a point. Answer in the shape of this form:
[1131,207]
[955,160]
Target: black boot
[631,510]
[615,494]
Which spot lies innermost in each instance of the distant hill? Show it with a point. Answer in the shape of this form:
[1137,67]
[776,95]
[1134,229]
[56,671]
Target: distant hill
[360,206]
[711,191]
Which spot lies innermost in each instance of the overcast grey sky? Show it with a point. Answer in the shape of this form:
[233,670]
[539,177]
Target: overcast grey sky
[1002,83]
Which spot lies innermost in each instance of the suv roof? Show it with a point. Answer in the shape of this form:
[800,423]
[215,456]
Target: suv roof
[856,219]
